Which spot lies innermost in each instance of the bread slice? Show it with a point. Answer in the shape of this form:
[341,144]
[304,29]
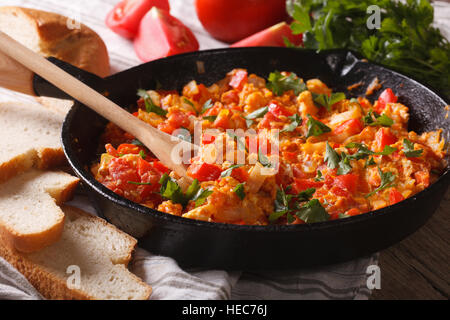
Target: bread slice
[98,250]
[30,218]
[30,136]
[51,34]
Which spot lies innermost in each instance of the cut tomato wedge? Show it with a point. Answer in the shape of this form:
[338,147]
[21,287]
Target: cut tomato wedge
[348,182]
[384,137]
[162,35]
[125,17]
[395,196]
[271,37]
[387,96]
[204,172]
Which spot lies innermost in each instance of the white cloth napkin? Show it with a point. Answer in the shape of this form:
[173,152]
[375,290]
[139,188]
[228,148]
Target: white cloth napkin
[169,281]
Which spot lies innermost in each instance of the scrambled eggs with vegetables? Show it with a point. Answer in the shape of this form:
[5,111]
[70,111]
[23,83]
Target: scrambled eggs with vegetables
[331,157]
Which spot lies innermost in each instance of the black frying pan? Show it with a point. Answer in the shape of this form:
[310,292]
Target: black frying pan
[214,245]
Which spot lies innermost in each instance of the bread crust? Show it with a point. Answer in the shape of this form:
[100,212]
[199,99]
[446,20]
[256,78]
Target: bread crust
[51,286]
[81,47]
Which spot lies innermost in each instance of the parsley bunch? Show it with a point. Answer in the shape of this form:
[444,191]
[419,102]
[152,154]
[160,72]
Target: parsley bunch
[406,41]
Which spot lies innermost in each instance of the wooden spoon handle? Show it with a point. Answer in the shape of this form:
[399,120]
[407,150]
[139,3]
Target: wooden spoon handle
[160,143]
[15,76]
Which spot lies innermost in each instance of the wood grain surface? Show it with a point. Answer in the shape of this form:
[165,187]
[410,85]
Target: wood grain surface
[419,266]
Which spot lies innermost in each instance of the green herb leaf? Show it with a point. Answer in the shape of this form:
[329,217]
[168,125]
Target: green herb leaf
[296,121]
[306,195]
[201,196]
[262,158]
[206,106]
[189,102]
[228,172]
[313,212]
[210,118]
[259,113]
[149,105]
[239,190]
[387,179]
[172,191]
[139,183]
[344,165]
[331,157]
[374,119]
[408,149]
[369,162]
[279,83]
[315,127]
[319,176]
[142,154]
[325,101]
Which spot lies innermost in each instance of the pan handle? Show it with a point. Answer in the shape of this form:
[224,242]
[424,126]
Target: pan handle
[16,77]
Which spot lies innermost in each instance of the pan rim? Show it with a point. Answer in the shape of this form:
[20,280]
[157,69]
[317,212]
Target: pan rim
[100,189]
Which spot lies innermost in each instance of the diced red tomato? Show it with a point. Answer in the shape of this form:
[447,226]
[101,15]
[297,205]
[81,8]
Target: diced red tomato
[422,177]
[353,212]
[266,122]
[125,17]
[395,196]
[126,148]
[161,35]
[277,110]
[223,120]
[160,167]
[204,172]
[300,185]
[271,37]
[339,192]
[178,119]
[384,137]
[207,138]
[348,182]
[123,171]
[166,127]
[229,97]
[351,127]
[111,150]
[238,79]
[387,96]
[240,174]
[214,110]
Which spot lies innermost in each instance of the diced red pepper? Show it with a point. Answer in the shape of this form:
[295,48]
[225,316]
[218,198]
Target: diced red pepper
[351,127]
[204,172]
[384,137]
[387,96]
[395,196]
[348,182]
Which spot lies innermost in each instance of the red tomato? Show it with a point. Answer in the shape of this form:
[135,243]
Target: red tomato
[271,37]
[124,19]
[277,110]
[240,174]
[223,120]
[233,20]
[111,150]
[204,172]
[351,127]
[161,35]
[148,174]
[126,148]
[387,96]
[160,167]
[395,196]
[123,171]
[238,79]
[300,185]
[267,120]
[422,177]
[166,127]
[353,212]
[178,119]
[384,137]
[348,182]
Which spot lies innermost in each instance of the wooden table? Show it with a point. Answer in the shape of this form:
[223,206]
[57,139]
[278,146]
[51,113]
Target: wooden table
[419,266]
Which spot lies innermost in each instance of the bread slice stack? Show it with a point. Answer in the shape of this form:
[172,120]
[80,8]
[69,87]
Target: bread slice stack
[64,252]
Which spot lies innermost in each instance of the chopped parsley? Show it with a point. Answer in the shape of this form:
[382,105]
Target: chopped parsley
[258,113]
[315,127]
[408,149]
[172,191]
[364,151]
[139,183]
[387,180]
[374,119]
[279,83]
[296,121]
[319,176]
[327,101]
[239,190]
[312,212]
[206,106]
[142,154]
[149,105]
[210,118]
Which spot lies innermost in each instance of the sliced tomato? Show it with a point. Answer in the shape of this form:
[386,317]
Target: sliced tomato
[348,182]
[351,127]
[233,20]
[271,37]
[240,174]
[384,137]
[387,96]
[122,172]
[204,172]
[277,110]
[111,150]
[395,196]
[239,78]
[300,185]
[125,17]
[162,35]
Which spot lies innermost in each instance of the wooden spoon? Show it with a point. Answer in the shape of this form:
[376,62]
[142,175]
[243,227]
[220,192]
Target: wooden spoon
[158,142]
